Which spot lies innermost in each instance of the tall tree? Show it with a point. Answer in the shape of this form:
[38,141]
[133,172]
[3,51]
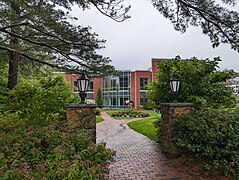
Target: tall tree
[216,19]
[99,100]
[39,31]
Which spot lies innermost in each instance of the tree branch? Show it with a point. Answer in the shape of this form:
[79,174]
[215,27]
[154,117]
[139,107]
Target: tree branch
[27,56]
[210,21]
[13,25]
[45,45]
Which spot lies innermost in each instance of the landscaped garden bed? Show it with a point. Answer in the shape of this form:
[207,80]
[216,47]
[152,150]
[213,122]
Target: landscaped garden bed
[50,153]
[130,113]
[35,144]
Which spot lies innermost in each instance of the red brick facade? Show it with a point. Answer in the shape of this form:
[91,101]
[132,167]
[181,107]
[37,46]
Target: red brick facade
[71,78]
[135,77]
[135,85]
[154,69]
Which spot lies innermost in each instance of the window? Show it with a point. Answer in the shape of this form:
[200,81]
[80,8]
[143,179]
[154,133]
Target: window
[113,101]
[116,90]
[114,84]
[143,98]
[124,83]
[143,83]
[91,86]
[123,100]
[90,95]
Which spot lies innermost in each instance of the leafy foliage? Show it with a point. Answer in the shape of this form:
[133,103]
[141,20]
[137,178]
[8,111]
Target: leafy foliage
[148,105]
[39,32]
[200,83]
[216,20]
[39,101]
[212,134]
[49,153]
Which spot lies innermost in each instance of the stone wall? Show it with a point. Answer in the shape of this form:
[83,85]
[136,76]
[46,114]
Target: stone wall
[81,118]
[168,113]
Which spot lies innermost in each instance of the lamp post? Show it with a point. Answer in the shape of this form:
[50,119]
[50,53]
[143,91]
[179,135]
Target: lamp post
[82,83]
[174,85]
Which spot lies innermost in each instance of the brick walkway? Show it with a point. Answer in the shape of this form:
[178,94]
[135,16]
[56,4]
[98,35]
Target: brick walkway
[137,157]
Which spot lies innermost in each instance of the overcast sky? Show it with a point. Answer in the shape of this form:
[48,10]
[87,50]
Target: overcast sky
[146,35]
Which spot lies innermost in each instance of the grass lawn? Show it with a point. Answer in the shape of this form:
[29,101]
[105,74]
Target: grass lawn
[146,127]
[151,113]
[99,119]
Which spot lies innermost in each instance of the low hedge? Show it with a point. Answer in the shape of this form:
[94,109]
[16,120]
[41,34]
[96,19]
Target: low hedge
[130,113]
[213,134]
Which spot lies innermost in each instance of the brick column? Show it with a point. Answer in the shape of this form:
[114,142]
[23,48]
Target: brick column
[81,118]
[168,113]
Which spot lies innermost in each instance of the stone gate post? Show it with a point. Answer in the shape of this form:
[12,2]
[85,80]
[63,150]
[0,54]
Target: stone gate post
[81,118]
[168,113]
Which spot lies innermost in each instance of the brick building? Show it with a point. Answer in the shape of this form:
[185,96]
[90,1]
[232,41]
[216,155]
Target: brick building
[128,85]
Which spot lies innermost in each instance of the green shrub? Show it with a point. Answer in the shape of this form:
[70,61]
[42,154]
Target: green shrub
[213,134]
[201,83]
[39,101]
[47,153]
[148,105]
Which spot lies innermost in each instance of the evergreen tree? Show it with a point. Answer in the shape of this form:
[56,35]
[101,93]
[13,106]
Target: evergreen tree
[39,31]
[216,20]
[99,100]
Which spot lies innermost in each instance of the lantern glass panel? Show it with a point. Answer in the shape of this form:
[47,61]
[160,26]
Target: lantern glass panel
[83,83]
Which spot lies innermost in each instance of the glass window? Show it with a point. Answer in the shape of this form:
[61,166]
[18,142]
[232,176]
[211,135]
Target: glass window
[143,98]
[91,86]
[90,96]
[117,90]
[113,100]
[143,83]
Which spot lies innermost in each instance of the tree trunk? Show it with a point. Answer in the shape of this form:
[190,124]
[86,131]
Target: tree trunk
[14,56]
[13,66]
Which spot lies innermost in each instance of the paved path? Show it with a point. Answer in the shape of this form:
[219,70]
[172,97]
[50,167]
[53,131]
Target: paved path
[137,157]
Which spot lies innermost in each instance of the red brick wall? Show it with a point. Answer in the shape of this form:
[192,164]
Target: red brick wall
[132,86]
[155,69]
[71,78]
[135,85]
[97,82]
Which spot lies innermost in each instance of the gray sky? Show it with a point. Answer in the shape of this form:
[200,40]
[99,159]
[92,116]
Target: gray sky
[146,35]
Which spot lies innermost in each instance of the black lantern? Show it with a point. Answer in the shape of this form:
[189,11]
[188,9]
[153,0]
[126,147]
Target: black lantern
[174,85]
[83,83]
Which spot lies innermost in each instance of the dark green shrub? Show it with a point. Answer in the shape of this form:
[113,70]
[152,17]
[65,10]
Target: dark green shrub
[99,99]
[213,134]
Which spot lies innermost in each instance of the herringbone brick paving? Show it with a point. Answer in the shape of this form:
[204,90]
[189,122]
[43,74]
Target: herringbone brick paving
[137,157]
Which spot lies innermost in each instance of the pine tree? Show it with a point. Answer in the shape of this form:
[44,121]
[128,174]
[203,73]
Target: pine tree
[99,100]
[217,21]
[39,31]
